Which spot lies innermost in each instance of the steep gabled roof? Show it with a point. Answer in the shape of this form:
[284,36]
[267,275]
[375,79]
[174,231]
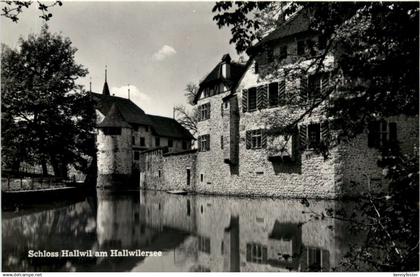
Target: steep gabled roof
[236,71]
[130,111]
[114,118]
[298,23]
[168,127]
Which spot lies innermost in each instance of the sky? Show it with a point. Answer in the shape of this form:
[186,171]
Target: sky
[155,47]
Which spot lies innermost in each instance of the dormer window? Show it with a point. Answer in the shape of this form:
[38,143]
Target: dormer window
[206,92]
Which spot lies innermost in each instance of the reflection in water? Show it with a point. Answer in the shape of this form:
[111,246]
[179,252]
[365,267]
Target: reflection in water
[195,233]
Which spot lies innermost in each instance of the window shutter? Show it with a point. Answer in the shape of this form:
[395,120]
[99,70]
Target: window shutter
[248,139]
[248,252]
[264,254]
[262,97]
[208,142]
[325,79]
[325,132]
[282,92]
[263,139]
[199,143]
[304,88]
[302,137]
[199,113]
[325,260]
[244,100]
[393,132]
[304,259]
[208,110]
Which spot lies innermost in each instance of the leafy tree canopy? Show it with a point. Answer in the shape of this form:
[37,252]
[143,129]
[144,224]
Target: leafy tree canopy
[46,115]
[12,9]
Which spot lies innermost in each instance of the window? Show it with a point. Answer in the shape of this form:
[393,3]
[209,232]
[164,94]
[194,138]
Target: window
[226,104]
[147,128]
[133,140]
[310,44]
[157,141]
[201,177]
[136,155]
[256,253]
[381,132]
[142,141]
[301,47]
[216,89]
[283,52]
[314,258]
[314,86]
[221,142]
[112,131]
[204,244]
[170,143]
[256,139]
[273,94]
[204,111]
[256,68]
[204,143]
[159,173]
[206,92]
[252,99]
[314,135]
[184,144]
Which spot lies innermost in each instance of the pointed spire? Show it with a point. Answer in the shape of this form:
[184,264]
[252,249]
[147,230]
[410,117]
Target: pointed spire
[90,83]
[105,90]
[128,91]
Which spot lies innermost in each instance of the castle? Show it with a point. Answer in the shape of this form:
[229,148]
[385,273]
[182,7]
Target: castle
[123,131]
[243,145]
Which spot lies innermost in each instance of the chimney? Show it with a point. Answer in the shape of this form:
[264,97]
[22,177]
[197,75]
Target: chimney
[226,66]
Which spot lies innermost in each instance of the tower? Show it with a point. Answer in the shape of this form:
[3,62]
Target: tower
[114,155]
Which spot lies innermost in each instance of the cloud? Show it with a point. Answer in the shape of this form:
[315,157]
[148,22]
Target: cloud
[164,52]
[140,98]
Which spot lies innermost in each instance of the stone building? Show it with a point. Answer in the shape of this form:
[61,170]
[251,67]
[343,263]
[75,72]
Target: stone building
[243,148]
[124,131]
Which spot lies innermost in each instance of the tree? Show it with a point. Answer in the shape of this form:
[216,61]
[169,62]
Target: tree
[46,115]
[375,75]
[12,9]
[186,118]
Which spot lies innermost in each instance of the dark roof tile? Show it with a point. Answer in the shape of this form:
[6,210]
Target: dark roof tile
[114,118]
[168,127]
[130,111]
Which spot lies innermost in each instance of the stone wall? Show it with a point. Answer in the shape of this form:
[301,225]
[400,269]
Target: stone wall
[175,167]
[212,174]
[168,171]
[114,153]
[359,162]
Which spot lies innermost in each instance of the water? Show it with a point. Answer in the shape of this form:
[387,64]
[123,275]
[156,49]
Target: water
[193,232]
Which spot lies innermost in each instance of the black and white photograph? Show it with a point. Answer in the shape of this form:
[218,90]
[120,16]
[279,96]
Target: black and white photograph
[199,136]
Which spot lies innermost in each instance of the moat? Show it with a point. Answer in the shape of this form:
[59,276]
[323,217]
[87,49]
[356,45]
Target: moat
[193,232]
